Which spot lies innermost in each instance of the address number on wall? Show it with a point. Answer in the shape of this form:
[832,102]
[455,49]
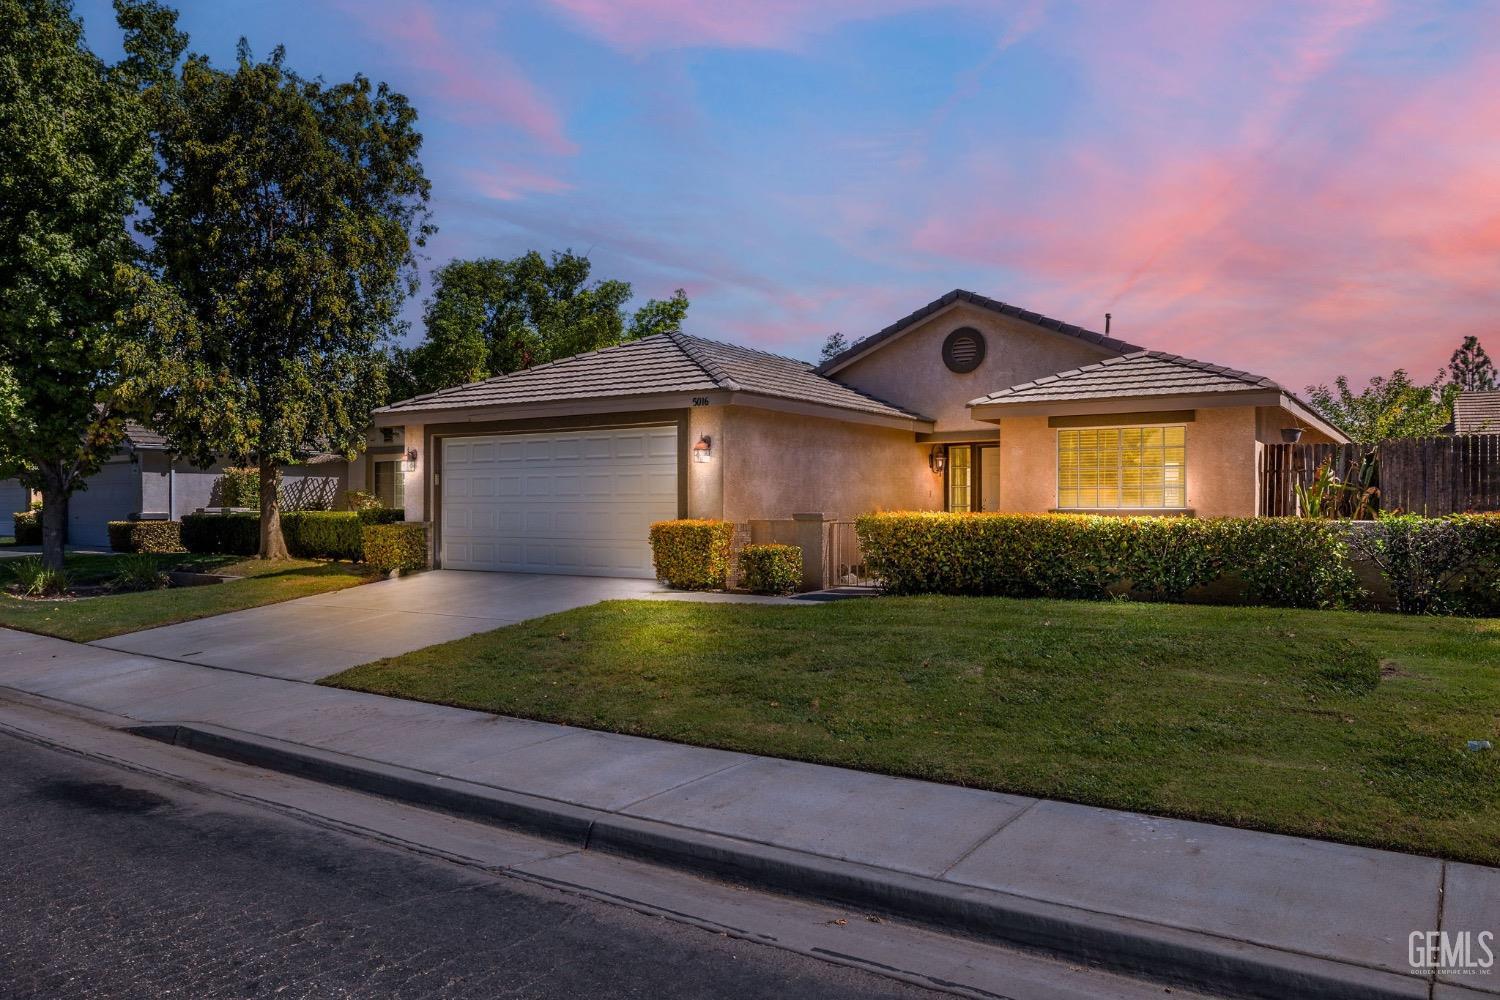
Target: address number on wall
[700,400]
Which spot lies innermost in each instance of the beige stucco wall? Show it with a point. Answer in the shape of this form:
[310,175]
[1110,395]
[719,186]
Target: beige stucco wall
[705,480]
[779,464]
[909,371]
[1269,420]
[1222,463]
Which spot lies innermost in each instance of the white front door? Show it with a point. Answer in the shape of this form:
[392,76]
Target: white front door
[579,502]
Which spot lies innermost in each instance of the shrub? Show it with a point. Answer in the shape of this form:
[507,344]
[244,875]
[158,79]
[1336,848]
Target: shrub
[323,534]
[138,572]
[1282,561]
[33,579]
[28,526]
[239,487]
[692,554]
[145,536]
[400,546]
[1425,558]
[771,569]
[1293,562]
[360,500]
[381,515]
[227,534]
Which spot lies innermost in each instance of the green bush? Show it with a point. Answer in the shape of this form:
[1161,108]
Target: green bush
[28,526]
[692,554]
[381,515]
[400,546]
[771,569]
[1281,561]
[227,534]
[31,578]
[1435,564]
[138,572]
[323,534]
[145,536]
[239,487]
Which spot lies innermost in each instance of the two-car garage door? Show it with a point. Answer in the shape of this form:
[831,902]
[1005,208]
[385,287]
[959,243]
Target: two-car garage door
[561,502]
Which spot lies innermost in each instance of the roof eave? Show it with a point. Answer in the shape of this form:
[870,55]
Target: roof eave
[1021,407]
[766,401]
[616,403]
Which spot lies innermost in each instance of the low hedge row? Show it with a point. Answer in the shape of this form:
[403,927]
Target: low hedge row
[389,547]
[332,534]
[692,554]
[1450,563]
[145,536]
[771,569]
[1292,562]
[222,534]
[28,525]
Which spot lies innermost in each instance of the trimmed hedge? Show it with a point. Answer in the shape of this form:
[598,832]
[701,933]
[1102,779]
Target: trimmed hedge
[401,546]
[323,534]
[692,554]
[770,569]
[226,534]
[1435,564]
[28,524]
[145,536]
[1284,561]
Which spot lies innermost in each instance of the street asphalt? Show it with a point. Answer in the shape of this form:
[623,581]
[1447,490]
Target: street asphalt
[116,884]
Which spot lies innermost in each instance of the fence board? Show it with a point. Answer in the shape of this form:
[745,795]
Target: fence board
[1436,475]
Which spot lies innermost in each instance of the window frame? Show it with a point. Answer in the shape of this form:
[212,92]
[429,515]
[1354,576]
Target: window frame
[1057,486]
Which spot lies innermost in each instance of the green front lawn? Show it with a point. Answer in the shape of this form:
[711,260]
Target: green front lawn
[1338,725]
[86,619]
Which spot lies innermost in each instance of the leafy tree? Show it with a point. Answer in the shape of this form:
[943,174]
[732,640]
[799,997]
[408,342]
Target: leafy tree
[1389,407]
[285,240]
[835,345]
[1470,368]
[489,317]
[75,163]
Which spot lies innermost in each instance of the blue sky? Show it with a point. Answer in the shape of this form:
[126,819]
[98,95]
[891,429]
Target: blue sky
[1296,189]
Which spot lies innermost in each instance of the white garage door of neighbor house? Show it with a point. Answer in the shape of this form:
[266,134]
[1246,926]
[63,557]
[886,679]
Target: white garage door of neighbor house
[579,502]
[113,494]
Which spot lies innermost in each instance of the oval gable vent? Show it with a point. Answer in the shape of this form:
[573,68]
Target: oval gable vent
[963,350]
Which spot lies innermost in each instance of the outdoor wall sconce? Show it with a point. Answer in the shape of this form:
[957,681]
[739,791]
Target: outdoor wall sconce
[411,460]
[704,449]
[937,458]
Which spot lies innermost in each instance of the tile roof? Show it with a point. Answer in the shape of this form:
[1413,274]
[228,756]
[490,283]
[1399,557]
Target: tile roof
[1477,412]
[993,305]
[670,362]
[1141,373]
[143,438]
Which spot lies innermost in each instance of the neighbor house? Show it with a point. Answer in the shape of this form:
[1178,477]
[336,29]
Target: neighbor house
[1477,412]
[142,480]
[968,404]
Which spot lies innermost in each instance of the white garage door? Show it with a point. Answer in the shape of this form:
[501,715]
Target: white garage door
[577,502]
[113,494]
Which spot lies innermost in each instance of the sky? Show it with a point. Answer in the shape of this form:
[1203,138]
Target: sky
[1299,190]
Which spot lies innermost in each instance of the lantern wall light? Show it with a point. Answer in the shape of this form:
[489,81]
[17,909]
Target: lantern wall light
[704,449]
[938,457]
[411,460]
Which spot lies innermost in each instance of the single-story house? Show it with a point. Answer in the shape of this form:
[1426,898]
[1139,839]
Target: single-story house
[968,404]
[143,481]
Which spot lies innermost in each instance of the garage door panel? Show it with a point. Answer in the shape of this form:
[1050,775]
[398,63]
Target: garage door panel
[566,502]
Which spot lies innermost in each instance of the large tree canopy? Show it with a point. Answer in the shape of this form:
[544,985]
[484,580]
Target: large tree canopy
[285,240]
[75,163]
[1389,407]
[488,317]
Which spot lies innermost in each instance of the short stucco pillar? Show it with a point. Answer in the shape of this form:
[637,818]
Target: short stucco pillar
[812,539]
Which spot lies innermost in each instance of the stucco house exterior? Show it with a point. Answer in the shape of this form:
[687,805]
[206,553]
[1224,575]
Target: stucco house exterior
[967,404]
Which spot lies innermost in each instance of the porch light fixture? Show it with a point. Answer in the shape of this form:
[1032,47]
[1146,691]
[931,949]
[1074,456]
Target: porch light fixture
[937,458]
[704,449]
[411,460]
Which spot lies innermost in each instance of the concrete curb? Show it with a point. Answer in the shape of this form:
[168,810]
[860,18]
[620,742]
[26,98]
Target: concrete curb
[1220,965]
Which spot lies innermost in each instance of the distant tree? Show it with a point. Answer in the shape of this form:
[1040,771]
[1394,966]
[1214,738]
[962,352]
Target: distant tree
[75,164]
[285,239]
[1387,408]
[489,317]
[1470,368]
[835,345]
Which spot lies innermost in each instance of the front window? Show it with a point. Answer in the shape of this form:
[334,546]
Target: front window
[390,484]
[1102,468]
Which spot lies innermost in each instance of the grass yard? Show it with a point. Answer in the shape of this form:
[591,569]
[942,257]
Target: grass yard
[86,619]
[1343,726]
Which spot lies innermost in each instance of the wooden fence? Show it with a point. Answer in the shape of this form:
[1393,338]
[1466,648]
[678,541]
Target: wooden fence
[1436,475]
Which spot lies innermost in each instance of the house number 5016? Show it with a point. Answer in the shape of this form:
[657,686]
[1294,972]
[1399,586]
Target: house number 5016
[700,400]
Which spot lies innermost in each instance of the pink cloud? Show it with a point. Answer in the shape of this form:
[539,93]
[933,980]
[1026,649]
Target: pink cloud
[475,86]
[508,182]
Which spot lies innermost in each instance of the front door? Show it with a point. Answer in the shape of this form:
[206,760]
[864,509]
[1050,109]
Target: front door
[973,478]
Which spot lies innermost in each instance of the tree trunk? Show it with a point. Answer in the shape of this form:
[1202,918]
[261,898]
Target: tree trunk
[272,545]
[54,519]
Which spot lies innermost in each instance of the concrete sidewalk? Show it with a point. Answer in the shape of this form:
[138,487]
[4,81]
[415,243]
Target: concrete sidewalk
[1228,892]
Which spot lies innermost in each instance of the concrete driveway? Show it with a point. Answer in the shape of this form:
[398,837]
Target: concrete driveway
[313,637]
